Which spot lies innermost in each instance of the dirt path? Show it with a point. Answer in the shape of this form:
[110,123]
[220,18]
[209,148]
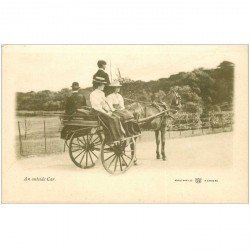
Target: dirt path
[208,157]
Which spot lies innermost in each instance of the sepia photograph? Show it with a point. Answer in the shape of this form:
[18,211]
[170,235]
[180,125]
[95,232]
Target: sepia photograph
[125,123]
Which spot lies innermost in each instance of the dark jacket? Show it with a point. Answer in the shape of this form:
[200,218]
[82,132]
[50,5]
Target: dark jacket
[74,102]
[102,73]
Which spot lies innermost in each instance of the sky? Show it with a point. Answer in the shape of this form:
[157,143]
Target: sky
[53,67]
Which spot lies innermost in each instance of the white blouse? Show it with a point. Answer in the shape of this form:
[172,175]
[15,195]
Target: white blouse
[99,102]
[115,99]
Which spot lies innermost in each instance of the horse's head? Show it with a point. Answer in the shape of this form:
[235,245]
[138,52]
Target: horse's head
[173,98]
[177,99]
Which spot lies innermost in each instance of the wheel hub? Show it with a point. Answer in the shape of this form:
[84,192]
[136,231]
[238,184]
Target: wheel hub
[118,151]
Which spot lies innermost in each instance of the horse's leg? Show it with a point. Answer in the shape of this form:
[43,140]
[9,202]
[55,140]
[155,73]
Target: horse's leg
[157,144]
[163,133]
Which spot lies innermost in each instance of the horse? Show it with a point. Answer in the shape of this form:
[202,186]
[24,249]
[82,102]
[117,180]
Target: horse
[160,102]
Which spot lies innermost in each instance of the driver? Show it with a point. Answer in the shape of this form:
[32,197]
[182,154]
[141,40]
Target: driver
[75,101]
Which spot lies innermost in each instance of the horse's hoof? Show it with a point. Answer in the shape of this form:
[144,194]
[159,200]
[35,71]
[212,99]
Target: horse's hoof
[164,158]
[135,163]
[158,157]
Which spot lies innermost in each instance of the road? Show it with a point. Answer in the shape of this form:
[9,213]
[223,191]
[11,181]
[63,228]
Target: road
[209,157]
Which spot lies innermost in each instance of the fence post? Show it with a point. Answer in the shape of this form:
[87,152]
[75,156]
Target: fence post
[180,126]
[44,129]
[210,124]
[20,139]
[25,128]
[222,124]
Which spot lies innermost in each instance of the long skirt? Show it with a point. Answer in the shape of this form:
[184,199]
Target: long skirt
[112,127]
[130,125]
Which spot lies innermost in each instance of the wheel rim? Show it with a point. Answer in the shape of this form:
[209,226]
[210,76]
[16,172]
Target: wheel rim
[84,150]
[118,158]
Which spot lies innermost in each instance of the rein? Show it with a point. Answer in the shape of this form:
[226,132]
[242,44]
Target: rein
[152,104]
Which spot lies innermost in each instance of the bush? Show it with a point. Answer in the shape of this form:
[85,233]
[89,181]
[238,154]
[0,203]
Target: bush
[191,107]
[185,121]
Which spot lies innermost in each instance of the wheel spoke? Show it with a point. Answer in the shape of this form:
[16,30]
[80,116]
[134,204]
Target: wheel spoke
[91,158]
[76,150]
[127,156]
[96,139]
[124,161]
[82,157]
[115,163]
[84,140]
[80,153]
[109,157]
[112,161]
[79,140]
[87,159]
[94,154]
[120,163]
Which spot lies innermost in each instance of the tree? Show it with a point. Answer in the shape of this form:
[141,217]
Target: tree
[200,89]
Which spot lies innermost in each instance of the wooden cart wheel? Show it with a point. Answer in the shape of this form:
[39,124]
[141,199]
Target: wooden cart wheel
[84,150]
[118,157]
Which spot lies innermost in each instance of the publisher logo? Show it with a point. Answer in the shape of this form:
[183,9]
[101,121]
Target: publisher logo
[198,180]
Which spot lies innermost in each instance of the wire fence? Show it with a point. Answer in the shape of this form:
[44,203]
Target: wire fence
[41,134]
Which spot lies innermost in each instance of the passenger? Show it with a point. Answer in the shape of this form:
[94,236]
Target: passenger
[99,103]
[75,101]
[116,102]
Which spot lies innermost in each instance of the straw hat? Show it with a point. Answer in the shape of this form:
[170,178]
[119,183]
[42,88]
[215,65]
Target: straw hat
[115,83]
